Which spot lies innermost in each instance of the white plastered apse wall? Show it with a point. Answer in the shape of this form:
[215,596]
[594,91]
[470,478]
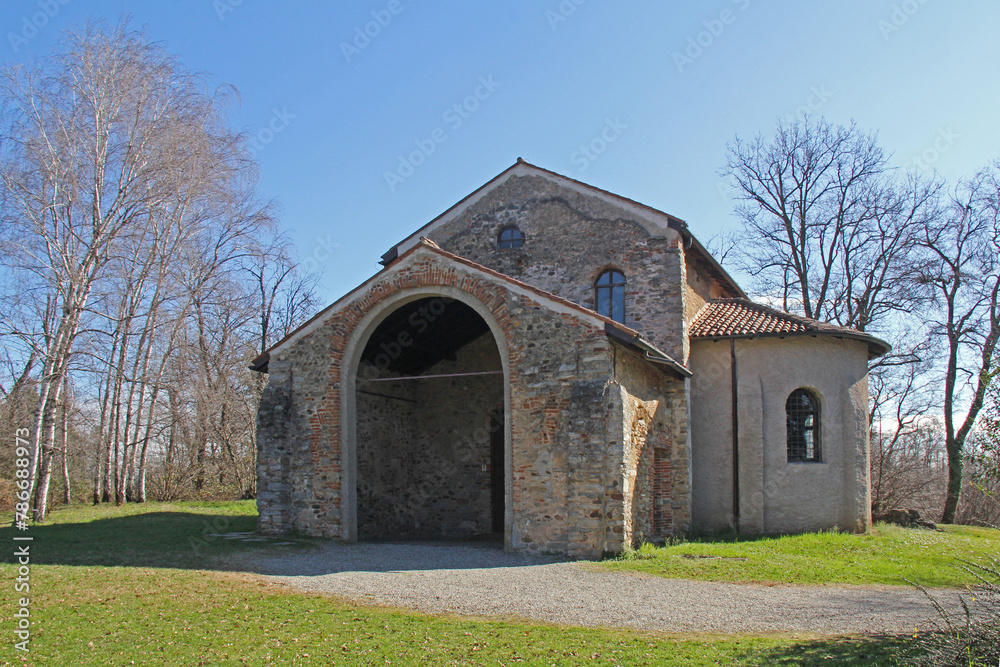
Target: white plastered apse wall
[777,496]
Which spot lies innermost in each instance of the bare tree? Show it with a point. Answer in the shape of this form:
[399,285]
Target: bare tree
[99,142]
[284,296]
[980,501]
[826,229]
[17,397]
[904,441]
[960,278]
[909,469]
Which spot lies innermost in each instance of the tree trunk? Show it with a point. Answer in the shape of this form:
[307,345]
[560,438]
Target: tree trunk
[98,454]
[956,471]
[141,477]
[102,472]
[47,446]
[38,428]
[67,492]
[116,430]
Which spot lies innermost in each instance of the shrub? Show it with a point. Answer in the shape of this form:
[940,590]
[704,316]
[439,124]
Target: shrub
[971,638]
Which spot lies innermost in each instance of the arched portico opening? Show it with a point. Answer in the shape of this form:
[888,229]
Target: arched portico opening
[424,435]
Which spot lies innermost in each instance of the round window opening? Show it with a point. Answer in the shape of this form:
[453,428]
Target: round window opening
[510,237]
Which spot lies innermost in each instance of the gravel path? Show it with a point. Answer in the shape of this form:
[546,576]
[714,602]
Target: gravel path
[484,581]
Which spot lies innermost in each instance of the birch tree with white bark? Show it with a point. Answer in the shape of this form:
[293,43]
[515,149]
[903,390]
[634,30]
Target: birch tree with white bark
[115,161]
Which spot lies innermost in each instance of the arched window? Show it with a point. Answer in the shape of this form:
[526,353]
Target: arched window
[610,289]
[802,424]
[510,237]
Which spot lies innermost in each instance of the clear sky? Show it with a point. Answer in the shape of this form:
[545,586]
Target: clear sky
[338,93]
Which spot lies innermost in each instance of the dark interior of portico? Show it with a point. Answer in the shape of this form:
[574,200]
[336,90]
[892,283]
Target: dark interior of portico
[429,410]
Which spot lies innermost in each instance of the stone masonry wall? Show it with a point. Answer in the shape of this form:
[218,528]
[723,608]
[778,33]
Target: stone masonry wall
[560,364]
[653,453]
[288,447]
[570,239]
[385,466]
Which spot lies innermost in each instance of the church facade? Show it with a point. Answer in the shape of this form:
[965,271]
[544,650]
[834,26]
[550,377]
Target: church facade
[569,370]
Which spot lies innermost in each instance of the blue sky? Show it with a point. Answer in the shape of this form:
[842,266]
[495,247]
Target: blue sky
[656,90]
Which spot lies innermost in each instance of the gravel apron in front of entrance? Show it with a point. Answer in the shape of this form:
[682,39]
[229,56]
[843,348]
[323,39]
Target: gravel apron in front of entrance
[484,581]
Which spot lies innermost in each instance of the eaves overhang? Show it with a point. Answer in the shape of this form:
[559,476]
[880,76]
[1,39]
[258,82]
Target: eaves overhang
[650,353]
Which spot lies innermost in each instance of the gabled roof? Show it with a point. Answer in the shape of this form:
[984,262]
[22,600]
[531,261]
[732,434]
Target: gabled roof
[742,318]
[613,329]
[652,219]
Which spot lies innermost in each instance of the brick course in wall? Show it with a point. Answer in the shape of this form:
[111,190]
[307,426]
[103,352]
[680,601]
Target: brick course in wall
[654,441]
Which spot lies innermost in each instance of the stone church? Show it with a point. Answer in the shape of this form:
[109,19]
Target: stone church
[568,370]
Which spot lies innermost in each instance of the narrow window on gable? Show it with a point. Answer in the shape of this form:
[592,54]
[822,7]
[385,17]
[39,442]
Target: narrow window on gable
[802,424]
[610,293]
[510,237]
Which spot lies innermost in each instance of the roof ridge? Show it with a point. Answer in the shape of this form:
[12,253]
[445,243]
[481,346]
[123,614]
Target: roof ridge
[645,211]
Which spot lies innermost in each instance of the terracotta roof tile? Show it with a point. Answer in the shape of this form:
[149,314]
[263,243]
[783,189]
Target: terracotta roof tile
[725,318]
[739,317]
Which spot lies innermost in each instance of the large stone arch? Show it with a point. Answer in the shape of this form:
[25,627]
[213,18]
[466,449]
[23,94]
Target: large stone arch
[562,484]
[349,366]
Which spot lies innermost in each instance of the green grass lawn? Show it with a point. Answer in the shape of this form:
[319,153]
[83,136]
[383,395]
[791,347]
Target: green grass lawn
[117,616]
[132,585]
[885,555]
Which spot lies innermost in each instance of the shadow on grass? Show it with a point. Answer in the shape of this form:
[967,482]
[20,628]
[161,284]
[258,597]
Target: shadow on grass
[207,542]
[155,539]
[877,650]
